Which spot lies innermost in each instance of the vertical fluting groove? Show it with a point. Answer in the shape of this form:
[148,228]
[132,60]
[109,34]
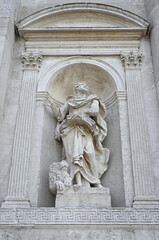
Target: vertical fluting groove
[17,139]
[136,131]
[130,89]
[29,130]
[146,153]
[22,141]
[22,136]
[25,137]
[139,142]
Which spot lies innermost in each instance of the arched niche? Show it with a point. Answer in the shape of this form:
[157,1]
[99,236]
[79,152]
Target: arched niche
[59,85]
[83,66]
[100,82]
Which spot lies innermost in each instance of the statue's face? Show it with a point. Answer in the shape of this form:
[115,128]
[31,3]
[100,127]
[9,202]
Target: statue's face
[82,87]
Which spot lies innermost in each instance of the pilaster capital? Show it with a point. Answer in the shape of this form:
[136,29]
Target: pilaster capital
[131,60]
[31,61]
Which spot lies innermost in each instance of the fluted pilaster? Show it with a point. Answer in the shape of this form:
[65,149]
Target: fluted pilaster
[17,188]
[140,145]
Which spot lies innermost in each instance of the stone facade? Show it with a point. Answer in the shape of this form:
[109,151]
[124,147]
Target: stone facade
[45,47]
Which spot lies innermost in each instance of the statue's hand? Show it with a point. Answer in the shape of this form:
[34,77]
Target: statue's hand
[52,105]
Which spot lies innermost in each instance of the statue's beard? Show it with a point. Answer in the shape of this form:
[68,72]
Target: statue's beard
[83,91]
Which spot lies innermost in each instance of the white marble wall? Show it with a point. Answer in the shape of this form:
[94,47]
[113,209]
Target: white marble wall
[8,14]
[119,177]
[10,122]
[135,6]
[8,105]
[152,9]
[79,234]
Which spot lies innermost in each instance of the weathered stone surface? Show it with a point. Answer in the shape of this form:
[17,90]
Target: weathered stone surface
[78,234]
[152,8]
[83,197]
[67,57]
[136,6]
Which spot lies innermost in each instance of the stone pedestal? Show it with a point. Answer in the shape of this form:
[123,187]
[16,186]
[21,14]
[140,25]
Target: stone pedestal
[84,197]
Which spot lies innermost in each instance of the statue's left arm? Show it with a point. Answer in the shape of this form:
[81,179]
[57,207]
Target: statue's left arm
[94,108]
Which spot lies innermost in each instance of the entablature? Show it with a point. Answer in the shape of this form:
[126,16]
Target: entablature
[82,25]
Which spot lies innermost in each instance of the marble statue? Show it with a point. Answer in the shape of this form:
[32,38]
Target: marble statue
[82,128]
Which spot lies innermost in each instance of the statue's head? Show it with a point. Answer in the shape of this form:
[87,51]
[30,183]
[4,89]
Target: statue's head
[81,87]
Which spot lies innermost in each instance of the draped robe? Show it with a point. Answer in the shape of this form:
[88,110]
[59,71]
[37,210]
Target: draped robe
[82,132]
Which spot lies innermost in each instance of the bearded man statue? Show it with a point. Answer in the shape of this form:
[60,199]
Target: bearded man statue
[82,128]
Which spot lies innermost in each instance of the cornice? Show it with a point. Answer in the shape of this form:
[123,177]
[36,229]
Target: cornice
[126,25]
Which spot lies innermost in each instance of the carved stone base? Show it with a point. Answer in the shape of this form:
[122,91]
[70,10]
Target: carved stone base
[16,203]
[147,202]
[83,197]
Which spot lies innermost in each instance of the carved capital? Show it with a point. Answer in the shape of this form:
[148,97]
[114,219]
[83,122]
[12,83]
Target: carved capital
[131,60]
[31,61]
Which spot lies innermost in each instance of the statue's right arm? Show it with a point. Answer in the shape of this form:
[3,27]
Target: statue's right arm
[53,106]
[59,112]
[63,111]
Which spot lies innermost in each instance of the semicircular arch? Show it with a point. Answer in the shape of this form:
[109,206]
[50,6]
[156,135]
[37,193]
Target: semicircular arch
[38,19]
[102,78]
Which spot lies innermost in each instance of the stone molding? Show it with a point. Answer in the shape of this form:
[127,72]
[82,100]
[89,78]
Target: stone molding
[66,8]
[35,28]
[43,96]
[131,60]
[31,61]
[91,48]
[78,216]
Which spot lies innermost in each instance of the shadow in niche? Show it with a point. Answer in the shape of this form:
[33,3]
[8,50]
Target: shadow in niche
[51,152]
[113,177]
[59,87]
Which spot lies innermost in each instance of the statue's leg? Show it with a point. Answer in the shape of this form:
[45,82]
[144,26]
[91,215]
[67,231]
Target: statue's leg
[78,179]
[85,183]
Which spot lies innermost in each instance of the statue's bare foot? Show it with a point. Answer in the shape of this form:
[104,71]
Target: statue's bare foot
[98,185]
[77,186]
